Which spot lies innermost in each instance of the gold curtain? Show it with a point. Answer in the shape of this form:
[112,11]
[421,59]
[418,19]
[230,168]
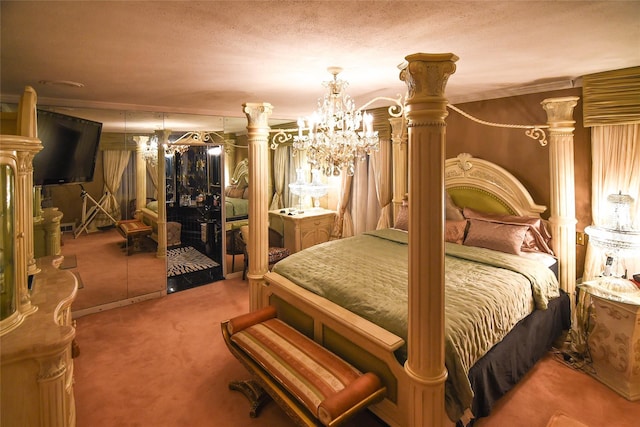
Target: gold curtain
[611,97]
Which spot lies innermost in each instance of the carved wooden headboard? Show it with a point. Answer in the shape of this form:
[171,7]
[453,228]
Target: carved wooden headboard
[485,186]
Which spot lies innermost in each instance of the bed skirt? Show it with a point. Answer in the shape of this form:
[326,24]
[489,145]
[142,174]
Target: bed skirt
[508,362]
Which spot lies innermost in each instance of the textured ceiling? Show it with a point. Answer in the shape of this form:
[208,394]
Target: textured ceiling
[211,57]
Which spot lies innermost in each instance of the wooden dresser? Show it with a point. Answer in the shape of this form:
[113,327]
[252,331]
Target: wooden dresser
[37,368]
[302,230]
[36,331]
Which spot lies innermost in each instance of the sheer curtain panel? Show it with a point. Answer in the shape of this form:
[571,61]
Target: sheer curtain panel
[114,162]
[615,152]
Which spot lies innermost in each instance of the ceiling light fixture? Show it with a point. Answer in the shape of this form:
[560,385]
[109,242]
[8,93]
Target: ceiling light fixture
[335,138]
[149,148]
[337,134]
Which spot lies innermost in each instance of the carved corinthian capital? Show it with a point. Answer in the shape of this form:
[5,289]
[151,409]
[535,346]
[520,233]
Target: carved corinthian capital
[426,75]
[560,113]
[257,114]
[25,161]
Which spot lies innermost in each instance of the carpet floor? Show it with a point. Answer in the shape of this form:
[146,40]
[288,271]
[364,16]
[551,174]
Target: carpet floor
[108,273]
[163,363]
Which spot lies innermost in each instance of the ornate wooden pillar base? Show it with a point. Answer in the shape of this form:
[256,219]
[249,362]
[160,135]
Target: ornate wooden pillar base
[254,393]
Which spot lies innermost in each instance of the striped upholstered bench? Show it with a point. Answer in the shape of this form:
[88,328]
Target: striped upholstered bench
[133,231]
[313,385]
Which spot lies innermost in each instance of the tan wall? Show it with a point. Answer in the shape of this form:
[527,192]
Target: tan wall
[520,155]
[509,148]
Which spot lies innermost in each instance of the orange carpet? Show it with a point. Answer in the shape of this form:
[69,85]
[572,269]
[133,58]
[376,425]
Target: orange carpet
[163,363]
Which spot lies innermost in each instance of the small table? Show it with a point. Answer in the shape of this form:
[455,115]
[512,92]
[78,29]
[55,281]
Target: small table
[615,338]
[133,231]
[302,230]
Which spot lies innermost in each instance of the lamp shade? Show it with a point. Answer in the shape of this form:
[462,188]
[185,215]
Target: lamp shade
[619,212]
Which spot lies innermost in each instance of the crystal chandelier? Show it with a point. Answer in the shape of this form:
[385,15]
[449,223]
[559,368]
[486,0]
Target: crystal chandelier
[149,148]
[338,134]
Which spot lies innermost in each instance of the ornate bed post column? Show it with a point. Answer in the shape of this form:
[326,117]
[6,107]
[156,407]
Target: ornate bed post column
[141,173]
[426,76]
[399,144]
[258,246]
[163,138]
[229,160]
[563,200]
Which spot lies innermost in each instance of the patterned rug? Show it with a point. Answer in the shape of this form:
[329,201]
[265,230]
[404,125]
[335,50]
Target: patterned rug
[187,260]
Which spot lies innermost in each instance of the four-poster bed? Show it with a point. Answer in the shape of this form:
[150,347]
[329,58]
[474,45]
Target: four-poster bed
[366,276]
[416,391]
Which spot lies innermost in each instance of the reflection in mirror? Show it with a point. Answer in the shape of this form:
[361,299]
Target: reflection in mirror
[195,178]
[90,243]
[114,262]
[118,267]
[236,203]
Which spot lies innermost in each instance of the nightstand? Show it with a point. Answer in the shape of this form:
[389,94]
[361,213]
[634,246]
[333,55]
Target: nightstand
[614,339]
[302,230]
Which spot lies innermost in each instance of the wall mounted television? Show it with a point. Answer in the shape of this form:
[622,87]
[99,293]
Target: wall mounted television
[70,147]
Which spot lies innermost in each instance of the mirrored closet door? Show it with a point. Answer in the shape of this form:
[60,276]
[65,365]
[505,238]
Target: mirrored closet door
[115,267]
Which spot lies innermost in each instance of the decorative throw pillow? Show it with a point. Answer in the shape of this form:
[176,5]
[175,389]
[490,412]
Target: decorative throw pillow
[454,231]
[153,205]
[451,210]
[537,237]
[492,235]
[234,192]
[402,221]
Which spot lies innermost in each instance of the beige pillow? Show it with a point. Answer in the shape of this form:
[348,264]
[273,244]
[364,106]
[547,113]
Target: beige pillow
[493,235]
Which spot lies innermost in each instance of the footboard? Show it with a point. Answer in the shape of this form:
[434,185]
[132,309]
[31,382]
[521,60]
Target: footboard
[356,340]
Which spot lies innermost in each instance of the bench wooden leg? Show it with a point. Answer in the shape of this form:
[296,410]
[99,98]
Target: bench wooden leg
[256,395]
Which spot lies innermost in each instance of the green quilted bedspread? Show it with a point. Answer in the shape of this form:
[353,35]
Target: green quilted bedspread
[486,294]
[236,207]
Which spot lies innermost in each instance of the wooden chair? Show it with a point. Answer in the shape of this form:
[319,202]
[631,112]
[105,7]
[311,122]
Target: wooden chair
[235,245]
[276,249]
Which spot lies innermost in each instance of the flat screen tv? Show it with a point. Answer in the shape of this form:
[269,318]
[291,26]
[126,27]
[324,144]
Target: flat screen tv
[70,146]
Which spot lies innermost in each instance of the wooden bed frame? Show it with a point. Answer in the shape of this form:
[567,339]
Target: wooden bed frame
[418,396]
